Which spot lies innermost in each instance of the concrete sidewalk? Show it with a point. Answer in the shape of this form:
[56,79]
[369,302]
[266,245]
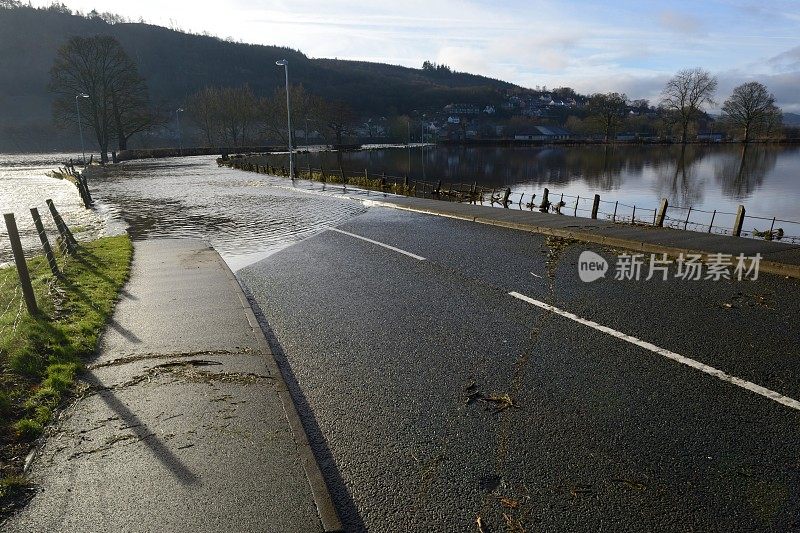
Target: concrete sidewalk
[777,258]
[186,423]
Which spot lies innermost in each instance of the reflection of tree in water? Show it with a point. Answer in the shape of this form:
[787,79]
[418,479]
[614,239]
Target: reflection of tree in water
[601,167]
[741,173]
[680,172]
[678,179]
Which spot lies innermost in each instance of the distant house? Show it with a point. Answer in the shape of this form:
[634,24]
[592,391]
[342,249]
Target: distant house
[462,109]
[626,136]
[453,120]
[710,137]
[489,110]
[544,133]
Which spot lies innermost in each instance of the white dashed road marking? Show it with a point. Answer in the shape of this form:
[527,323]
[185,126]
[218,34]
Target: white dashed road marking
[697,365]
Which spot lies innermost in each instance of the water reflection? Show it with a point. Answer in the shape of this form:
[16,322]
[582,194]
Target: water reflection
[700,176]
[680,180]
[741,174]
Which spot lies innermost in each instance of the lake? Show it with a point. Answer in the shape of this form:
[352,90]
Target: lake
[763,178]
[246,215]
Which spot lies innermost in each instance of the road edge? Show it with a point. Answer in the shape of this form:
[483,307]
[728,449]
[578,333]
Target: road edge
[767,266]
[328,515]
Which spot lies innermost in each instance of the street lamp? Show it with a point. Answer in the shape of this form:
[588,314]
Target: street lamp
[285,64]
[180,136]
[80,126]
[422,144]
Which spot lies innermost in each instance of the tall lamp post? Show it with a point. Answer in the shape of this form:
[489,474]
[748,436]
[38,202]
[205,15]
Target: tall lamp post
[285,64]
[180,135]
[408,123]
[80,126]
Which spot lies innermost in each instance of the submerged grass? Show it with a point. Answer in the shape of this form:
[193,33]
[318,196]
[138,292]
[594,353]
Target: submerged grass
[40,355]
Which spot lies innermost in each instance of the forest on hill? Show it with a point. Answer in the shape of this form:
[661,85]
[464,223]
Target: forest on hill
[176,65]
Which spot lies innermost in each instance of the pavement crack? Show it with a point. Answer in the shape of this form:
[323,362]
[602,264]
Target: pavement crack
[124,360]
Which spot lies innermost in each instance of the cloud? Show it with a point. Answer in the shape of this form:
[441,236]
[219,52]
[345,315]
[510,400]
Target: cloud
[786,61]
[680,22]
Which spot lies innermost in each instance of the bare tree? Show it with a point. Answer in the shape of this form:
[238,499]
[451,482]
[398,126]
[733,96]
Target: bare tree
[99,67]
[238,114]
[751,108]
[130,105]
[338,119]
[608,111]
[204,111]
[306,112]
[686,93]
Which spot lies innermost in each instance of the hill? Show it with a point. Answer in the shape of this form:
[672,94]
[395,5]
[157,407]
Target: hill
[178,64]
[791,119]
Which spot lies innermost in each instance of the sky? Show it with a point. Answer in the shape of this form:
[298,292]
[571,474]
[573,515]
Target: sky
[589,45]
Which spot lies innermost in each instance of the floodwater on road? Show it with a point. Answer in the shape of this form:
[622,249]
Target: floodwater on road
[245,216]
[24,184]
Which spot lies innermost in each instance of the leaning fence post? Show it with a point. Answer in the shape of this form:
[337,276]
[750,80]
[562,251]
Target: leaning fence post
[48,251]
[577,200]
[545,201]
[714,214]
[22,266]
[737,225]
[662,212]
[614,216]
[633,216]
[63,230]
[595,205]
[506,196]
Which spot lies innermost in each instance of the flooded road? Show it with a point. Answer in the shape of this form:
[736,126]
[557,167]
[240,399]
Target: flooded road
[24,183]
[245,216]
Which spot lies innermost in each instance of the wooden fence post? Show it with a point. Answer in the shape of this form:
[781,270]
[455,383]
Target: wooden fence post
[662,213]
[506,195]
[595,205]
[63,230]
[545,206]
[737,225]
[22,266]
[48,251]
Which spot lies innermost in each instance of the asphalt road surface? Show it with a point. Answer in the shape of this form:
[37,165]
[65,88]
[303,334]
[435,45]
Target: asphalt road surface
[436,400]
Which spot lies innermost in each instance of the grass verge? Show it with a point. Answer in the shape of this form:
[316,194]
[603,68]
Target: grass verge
[40,355]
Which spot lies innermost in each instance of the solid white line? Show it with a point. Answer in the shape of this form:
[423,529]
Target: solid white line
[398,250]
[535,275]
[710,370]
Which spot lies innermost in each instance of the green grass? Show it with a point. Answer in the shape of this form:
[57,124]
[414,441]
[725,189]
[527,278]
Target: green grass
[40,355]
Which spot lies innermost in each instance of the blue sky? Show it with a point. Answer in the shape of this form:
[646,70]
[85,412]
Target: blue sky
[627,46]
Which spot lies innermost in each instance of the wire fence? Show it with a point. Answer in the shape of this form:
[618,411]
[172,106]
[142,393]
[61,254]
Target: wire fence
[16,287]
[593,207]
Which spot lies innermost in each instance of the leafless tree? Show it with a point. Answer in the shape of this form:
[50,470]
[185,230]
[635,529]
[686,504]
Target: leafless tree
[686,93]
[226,116]
[203,109]
[751,109]
[306,112]
[608,111]
[117,105]
[338,118]
[238,114]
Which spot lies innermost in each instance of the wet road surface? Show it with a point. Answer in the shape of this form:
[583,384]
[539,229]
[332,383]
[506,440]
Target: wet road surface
[434,397]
